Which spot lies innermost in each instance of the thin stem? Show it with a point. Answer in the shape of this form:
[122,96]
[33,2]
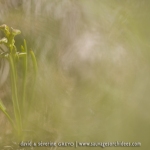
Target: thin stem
[34,79]
[9,118]
[34,62]
[15,94]
[24,50]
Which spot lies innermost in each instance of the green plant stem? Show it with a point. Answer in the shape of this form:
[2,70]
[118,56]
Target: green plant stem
[34,62]
[15,94]
[9,118]
[24,50]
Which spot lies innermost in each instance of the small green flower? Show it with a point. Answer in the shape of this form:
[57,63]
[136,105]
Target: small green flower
[3,40]
[5,29]
[10,33]
[15,32]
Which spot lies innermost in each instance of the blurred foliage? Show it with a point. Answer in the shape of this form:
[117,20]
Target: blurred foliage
[93,58]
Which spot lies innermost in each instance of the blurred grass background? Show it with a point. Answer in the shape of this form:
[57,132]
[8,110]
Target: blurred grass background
[94,68]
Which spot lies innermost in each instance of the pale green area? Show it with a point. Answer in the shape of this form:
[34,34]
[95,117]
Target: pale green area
[94,68]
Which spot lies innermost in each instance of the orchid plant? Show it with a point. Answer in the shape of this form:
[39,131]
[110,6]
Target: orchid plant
[14,57]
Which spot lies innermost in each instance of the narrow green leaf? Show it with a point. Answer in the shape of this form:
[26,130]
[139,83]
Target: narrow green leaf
[2,107]
[34,61]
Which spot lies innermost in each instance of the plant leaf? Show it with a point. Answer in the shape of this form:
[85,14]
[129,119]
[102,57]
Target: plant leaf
[2,107]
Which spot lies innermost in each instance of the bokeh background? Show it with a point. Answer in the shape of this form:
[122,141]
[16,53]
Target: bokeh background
[93,80]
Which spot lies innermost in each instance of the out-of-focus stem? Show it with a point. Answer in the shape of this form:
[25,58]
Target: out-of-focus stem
[35,67]
[15,94]
[24,50]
